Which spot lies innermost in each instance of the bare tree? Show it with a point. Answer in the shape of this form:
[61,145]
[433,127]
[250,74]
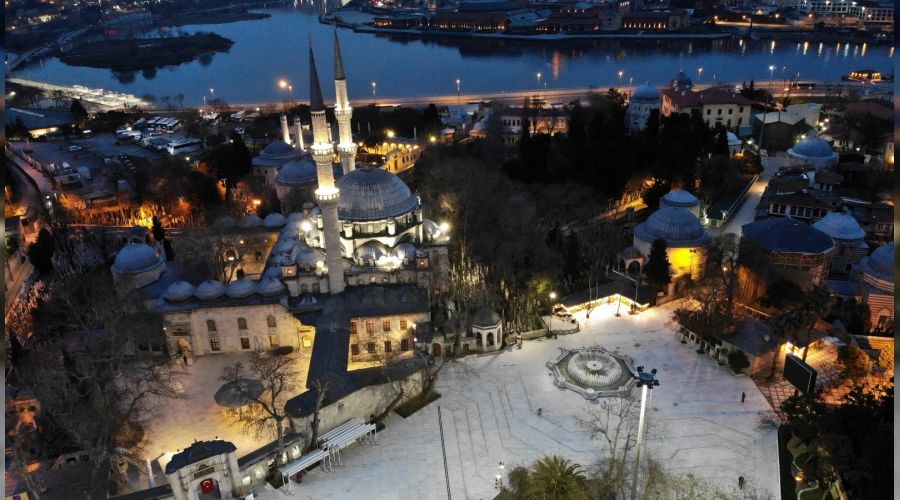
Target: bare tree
[96,382]
[278,375]
[221,256]
[321,387]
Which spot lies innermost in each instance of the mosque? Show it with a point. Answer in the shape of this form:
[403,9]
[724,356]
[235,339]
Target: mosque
[364,244]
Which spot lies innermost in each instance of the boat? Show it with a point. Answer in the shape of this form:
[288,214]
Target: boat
[864,75]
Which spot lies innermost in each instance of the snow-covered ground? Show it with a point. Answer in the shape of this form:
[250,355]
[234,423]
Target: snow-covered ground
[488,415]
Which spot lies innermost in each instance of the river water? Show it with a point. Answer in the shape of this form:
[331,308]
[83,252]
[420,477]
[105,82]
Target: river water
[268,50]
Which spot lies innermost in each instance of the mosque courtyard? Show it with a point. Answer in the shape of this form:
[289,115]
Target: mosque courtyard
[489,414]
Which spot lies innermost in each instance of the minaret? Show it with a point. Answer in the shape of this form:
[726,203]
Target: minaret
[327,193]
[343,112]
[285,131]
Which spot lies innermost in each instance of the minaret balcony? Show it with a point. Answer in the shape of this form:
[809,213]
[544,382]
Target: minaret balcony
[343,112]
[327,193]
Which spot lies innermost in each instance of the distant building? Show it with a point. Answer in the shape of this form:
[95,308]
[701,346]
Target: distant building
[39,122]
[683,233]
[640,104]
[266,164]
[782,249]
[716,106]
[670,20]
[778,131]
[871,283]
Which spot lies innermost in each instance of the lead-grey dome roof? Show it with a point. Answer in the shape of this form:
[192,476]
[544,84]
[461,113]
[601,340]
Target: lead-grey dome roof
[243,287]
[813,148]
[180,290]
[840,226]
[486,317]
[680,198]
[308,257]
[270,286]
[278,150]
[678,227]
[249,220]
[645,93]
[299,171]
[369,194]
[274,219]
[209,289]
[681,80]
[136,258]
[881,262]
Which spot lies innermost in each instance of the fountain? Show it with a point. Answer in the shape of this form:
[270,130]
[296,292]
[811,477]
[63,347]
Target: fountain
[593,372]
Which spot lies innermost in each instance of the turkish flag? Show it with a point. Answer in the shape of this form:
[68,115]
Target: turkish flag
[207,486]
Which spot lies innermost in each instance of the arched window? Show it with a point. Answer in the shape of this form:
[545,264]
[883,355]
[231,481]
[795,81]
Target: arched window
[270,321]
[242,324]
[210,326]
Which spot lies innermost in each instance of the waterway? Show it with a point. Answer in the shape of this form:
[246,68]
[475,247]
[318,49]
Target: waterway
[272,49]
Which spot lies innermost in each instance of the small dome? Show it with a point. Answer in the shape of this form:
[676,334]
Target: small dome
[243,287]
[404,251]
[209,289]
[136,258]
[271,272]
[224,222]
[250,220]
[678,227]
[787,235]
[371,251]
[680,80]
[274,220]
[278,150]
[310,257]
[881,262]
[645,93]
[486,318]
[180,290]
[840,226]
[421,253]
[813,148]
[285,244]
[270,286]
[374,194]
[301,171]
[296,217]
[680,198]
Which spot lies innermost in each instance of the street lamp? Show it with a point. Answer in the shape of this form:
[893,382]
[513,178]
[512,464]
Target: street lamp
[552,295]
[771,71]
[500,476]
[699,74]
[620,77]
[457,92]
[212,92]
[646,381]
[539,82]
[374,97]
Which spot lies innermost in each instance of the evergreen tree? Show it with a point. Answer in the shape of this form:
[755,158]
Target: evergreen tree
[40,253]
[78,112]
[159,232]
[657,268]
[652,127]
[721,145]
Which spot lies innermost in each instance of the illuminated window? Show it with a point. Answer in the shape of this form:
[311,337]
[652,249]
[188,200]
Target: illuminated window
[353,327]
[386,325]
[403,323]
[370,326]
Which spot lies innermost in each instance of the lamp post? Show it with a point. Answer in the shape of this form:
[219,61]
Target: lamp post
[502,466]
[620,77]
[771,73]
[539,82]
[458,102]
[646,381]
[699,74]
[374,97]
[212,92]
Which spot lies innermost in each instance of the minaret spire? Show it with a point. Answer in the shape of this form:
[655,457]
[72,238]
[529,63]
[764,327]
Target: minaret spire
[327,193]
[343,112]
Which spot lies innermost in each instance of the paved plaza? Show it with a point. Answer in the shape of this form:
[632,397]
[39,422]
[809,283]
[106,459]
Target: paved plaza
[488,413]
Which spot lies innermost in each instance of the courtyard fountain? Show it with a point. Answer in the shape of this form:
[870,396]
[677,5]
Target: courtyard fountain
[593,372]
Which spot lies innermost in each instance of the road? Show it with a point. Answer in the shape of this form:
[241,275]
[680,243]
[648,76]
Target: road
[103,98]
[747,212]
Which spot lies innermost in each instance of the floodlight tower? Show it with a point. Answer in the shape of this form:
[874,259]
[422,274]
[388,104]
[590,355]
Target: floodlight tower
[646,381]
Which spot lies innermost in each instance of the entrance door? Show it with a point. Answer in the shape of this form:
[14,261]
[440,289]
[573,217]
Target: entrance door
[436,349]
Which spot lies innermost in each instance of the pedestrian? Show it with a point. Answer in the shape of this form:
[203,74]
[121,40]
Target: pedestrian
[743,396]
[539,412]
[741,482]
[184,358]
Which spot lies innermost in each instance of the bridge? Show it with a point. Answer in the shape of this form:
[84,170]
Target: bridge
[101,98]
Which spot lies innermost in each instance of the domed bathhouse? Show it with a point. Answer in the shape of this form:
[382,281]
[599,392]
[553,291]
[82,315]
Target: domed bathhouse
[848,236]
[685,241]
[679,198]
[645,99]
[871,282]
[813,152]
[298,173]
[272,158]
[137,265]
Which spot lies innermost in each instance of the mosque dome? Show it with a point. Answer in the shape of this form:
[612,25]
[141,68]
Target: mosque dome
[271,272]
[840,226]
[249,220]
[270,286]
[278,150]
[679,198]
[645,93]
[274,220]
[224,222]
[369,194]
[371,251]
[209,289]
[881,262]
[404,251]
[308,257]
[485,318]
[180,290]
[787,235]
[681,80]
[299,171]
[678,227]
[813,148]
[136,258]
[243,287]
